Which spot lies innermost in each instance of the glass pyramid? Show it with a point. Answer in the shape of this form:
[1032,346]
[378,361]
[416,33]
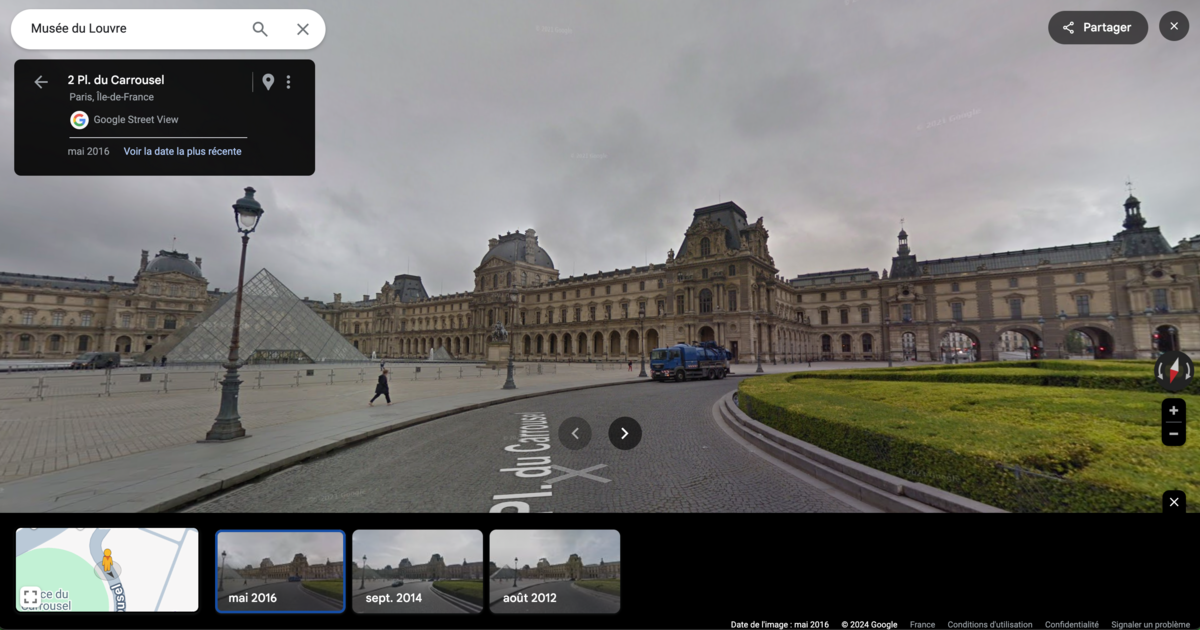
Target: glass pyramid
[276,327]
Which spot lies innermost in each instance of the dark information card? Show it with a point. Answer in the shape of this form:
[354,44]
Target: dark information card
[165,117]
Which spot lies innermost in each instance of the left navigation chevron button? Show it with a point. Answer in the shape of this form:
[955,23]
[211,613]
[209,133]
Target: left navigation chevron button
[39,81]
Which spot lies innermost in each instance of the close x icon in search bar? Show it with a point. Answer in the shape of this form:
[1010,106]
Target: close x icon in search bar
[168,29]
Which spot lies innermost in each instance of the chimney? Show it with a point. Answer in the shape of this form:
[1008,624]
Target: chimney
[366,297]
[111,278]
[145,259]
[530,246]
[198,259]
[337,298]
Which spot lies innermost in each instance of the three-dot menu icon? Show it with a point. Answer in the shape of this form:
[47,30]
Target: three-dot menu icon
[1174,422]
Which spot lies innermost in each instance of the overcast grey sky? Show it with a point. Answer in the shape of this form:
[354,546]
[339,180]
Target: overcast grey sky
[385,547]
[555,545]
[443,124]
[251,547]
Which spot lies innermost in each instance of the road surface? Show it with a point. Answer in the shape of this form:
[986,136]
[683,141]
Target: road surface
[399,600]
[556,598]
[685,462]
[287,596]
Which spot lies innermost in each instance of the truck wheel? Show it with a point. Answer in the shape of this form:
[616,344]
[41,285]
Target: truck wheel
[680,376]
[724,373]
[709,375]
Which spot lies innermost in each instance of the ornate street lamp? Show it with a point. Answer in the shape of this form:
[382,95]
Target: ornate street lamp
[514,571]
[1062,323]
[363,572]
[758,340]
[509,384]
[228,425]
[642,336]
[887,338]
[1150,324]
[221,587]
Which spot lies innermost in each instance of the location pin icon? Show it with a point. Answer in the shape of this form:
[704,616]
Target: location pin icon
[268,81]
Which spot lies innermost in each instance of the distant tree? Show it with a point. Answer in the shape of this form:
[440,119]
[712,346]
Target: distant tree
[1076,342]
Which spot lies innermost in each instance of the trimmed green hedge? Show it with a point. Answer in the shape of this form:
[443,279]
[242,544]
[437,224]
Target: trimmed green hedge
[1082,450]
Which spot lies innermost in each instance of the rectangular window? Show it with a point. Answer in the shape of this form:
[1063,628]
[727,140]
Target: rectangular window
[954,287]
[578,314]
[843,296]
[956,311]
[27,318]
[866,315]
[624,288]
[174,290]
[642,285]
[151,322]
[679,305]
[845,316]
[662,308]
[29,297]
[1012,283]
[549,317]
[126,320]
[625,310]
[824,318]
[593,291]
[863,294]
[56,319]
[1160,300]
[592,313]
[85,319]
[1014,307]
[1082,305]
[822,297]
[733,300]
[538,318]
[608,311]
[608,290]
[539,297]
[906,313]
[1080,278]
[642,309]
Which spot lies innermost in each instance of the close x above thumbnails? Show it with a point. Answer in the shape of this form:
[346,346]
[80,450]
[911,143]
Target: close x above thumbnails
[457,316]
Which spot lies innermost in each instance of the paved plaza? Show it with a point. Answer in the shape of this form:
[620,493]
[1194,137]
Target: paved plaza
[139,452]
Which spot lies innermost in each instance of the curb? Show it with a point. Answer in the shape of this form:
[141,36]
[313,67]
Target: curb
[243,475]
[326,598]
[464,604]
[616,599]
[867,484]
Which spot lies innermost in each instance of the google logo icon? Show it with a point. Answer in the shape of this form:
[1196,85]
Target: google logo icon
[79,120]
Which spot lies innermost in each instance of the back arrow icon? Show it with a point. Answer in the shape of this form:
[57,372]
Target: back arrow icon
[38,82]
[574,432]
[625,432]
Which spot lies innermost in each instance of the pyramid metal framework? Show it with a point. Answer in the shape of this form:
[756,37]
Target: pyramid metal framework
[276,326]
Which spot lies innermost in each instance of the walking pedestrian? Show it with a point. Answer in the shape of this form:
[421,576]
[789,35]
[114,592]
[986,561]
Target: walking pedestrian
[382,389]
[631,366]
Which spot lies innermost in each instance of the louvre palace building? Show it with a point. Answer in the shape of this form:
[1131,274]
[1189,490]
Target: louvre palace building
[1129,297]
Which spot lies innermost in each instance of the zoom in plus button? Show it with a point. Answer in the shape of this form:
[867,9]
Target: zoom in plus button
[1174,422]
[1098,27]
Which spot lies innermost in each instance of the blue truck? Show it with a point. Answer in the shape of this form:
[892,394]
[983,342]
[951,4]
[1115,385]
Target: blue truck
[682,362]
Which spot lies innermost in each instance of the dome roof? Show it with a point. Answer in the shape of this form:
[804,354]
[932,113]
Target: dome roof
[513,247]
[173,261]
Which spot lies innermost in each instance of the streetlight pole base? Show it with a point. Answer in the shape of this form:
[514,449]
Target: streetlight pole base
[509,384]
[228,425]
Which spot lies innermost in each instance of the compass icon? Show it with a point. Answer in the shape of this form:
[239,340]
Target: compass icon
[1174,371]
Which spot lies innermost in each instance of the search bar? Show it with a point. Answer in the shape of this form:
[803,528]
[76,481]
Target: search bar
[168,29]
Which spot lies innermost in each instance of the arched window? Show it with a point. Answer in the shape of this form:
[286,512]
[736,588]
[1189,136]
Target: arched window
[705,248]
[846,343]
[706,301]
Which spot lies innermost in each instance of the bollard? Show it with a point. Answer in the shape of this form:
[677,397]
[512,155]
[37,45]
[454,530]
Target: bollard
[361,376]
[331,377]
[108,382]
[166,377]
[259,378]
[216,379]
[297,379]
[459,372]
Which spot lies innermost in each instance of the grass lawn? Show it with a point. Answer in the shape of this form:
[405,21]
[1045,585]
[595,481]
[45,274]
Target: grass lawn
[612,587]
[328,588]
[947,434]
[470,590]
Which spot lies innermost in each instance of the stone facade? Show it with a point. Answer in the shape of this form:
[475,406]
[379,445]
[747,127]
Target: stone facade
[298,567]
[572,569]
[48,317]
[723,286]
[435,569]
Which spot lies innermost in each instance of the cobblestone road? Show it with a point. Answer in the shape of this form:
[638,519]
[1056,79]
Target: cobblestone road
[684,463]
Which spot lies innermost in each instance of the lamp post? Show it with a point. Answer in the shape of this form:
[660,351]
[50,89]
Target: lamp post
[1150,324]
[509,384]
[642,336]
[514,571]
[995,357]
[1062,326]
[1042,333]
[363,576]
[887,338]
[758,341]
[221,587]
[228,425]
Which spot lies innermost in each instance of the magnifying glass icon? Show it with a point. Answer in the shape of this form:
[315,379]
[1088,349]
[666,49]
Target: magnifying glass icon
[258,28]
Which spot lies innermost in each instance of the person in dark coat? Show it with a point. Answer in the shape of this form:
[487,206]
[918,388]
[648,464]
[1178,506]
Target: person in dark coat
[382,389]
